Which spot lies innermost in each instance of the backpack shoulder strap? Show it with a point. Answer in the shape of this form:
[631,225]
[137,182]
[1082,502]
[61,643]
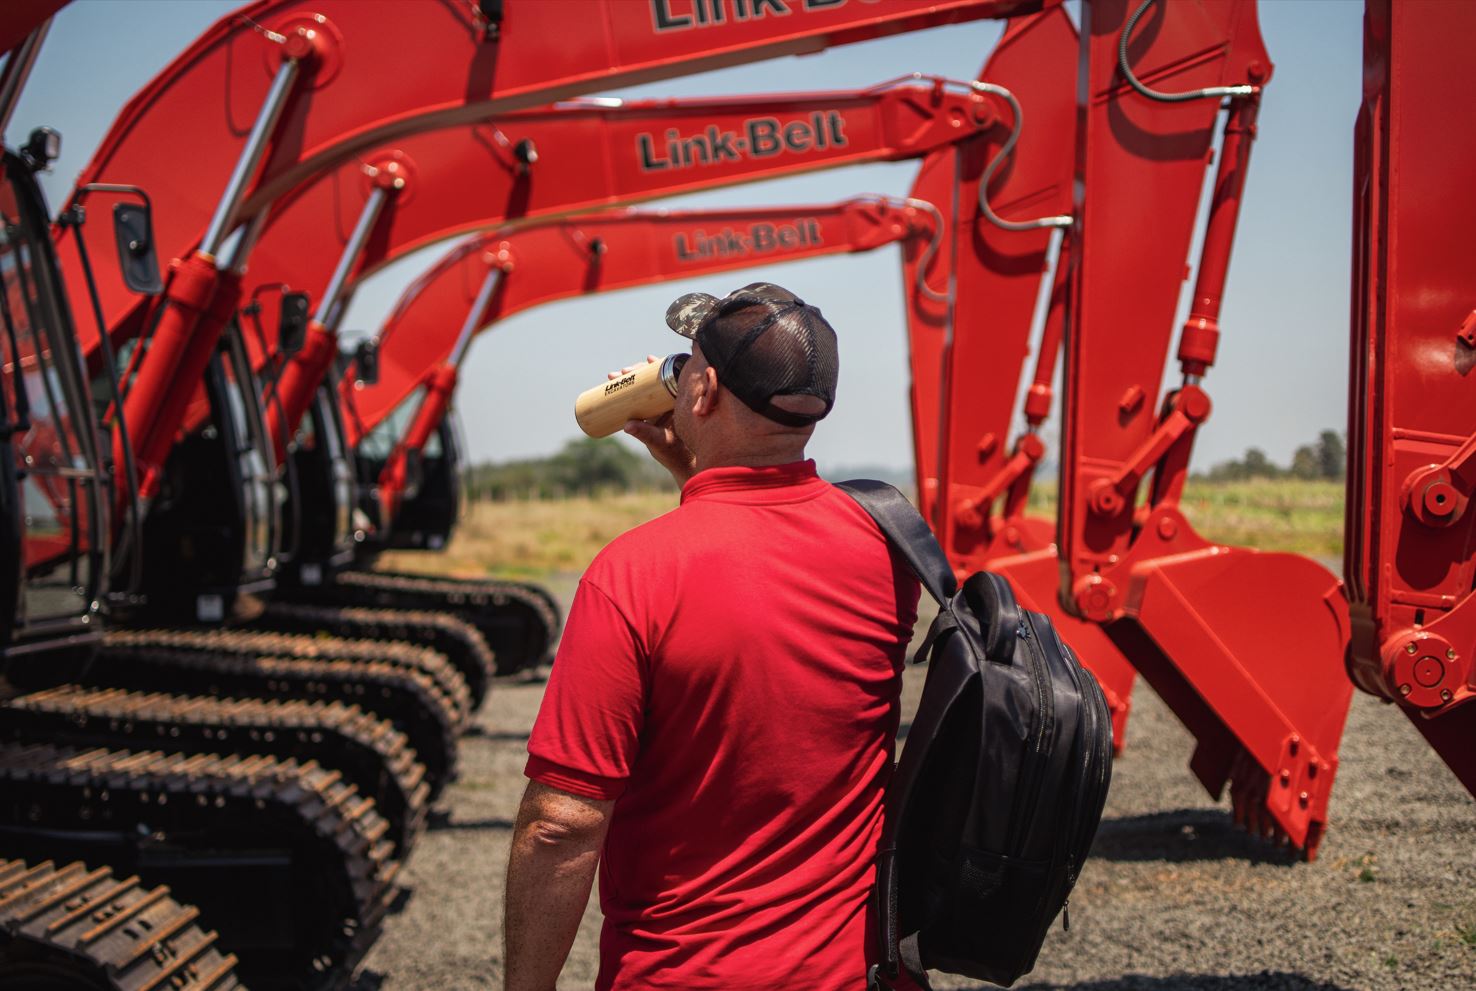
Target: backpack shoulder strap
[908,532]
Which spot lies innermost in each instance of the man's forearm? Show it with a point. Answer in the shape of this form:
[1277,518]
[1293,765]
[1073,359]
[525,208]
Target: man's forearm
[555,851]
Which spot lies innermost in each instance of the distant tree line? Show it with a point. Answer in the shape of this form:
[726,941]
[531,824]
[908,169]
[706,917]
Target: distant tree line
[587,466]
[1327,458]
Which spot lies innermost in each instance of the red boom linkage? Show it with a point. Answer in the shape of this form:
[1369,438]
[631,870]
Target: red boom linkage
[283,90]
[967,345]
[589,155]
[491,277]
[1246,647]
[1410,558]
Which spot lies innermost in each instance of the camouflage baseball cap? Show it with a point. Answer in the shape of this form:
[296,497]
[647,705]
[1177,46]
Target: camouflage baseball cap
[763,341]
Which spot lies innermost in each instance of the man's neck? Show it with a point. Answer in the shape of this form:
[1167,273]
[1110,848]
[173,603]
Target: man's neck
[759,456]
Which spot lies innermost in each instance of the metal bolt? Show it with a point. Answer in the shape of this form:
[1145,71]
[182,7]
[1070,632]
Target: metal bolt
[1411,647]
[1286,776]
[1450,653]
[1445,694]
[1404,689]
[1304,798]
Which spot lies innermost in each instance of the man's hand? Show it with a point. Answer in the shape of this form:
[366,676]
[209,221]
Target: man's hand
[660,439]
[555,849]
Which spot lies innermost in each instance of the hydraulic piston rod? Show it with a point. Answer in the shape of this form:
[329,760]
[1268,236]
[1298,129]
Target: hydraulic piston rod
[474,316]
[202,293]
[305,369]
[17,70]
[329,311]
[440,385]
[221,222]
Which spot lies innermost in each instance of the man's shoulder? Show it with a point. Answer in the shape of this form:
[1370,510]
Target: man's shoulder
[642,543]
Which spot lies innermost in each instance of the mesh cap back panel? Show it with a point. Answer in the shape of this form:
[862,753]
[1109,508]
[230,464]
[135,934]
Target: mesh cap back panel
[770,343]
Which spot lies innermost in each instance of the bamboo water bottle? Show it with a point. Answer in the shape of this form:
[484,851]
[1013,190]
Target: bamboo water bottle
[643,394]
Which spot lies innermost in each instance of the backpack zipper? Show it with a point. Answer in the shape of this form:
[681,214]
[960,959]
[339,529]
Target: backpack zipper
[1045,705]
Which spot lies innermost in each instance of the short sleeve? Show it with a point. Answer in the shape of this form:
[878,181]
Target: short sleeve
[587,734]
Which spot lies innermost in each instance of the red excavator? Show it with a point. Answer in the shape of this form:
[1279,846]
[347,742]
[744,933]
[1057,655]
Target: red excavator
[1240,743]
[304,839]
[1158,591]
[95,832]
[1410,556]
[181,338]
[889,122]
[1269,731]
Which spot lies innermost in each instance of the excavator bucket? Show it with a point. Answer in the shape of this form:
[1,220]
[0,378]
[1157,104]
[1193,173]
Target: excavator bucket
[1246,647]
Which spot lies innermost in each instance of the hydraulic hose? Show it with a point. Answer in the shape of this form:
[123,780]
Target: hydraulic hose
[1064,220]
[1153,94]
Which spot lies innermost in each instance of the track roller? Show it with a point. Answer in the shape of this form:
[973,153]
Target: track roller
[371,753]
[290,863]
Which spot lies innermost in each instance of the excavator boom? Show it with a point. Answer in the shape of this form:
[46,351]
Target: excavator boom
[601,252]
[493,276]
[282,90]
[190,130]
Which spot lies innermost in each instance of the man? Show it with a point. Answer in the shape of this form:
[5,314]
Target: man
[718,730]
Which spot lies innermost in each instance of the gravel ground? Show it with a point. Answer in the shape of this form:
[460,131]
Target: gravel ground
[1173,898]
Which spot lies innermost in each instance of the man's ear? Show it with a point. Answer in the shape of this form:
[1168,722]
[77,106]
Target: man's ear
[704,396]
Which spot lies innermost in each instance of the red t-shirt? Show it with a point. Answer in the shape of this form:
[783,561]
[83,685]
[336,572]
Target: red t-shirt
[730,674]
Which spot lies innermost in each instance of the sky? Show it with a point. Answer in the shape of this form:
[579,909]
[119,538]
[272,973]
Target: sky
[1281,377]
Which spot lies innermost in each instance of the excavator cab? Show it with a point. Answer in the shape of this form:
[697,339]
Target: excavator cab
[214,529]
[371,455]
[52,490]
[323,500]
[433,495]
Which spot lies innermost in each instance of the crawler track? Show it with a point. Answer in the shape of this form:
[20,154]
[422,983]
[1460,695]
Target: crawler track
[458,640]
[530,587]
[371,753]
[285,857]
[232,664]
[75,928]
[519,621]
[410,658]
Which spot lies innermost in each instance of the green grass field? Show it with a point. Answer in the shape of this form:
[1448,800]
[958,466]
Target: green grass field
[536,539]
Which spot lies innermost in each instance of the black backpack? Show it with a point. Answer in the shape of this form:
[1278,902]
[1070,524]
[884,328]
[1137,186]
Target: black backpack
[997,795]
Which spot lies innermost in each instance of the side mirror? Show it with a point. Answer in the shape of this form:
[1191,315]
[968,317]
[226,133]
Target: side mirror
[366,361]
[133,227]
[292,324]
[41,149]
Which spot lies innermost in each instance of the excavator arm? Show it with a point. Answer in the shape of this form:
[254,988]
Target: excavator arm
[589,155]
[491,277]
[1246,647]
[1410,557]
[282,90]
